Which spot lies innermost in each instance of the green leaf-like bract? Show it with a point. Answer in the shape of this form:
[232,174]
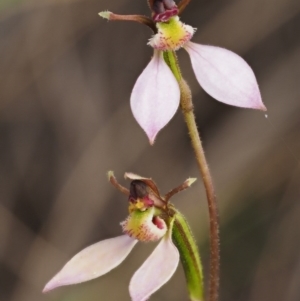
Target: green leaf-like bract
[189,256]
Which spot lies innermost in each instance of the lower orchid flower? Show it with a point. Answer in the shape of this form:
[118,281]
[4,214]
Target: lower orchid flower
[151,218]
[221,73]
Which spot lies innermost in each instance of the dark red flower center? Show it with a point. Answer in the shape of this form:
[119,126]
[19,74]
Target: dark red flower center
[164,10]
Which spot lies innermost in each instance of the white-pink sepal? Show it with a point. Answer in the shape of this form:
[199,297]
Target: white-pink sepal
[93,261]
[225,76]
[155,271]
[155,96]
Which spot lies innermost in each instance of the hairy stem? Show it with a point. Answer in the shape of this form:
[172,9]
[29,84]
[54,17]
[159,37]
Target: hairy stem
[187,110]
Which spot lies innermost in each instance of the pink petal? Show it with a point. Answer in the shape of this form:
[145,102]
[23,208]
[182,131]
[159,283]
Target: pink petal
[93,261]
[225,76]
[155,271]
[155,96]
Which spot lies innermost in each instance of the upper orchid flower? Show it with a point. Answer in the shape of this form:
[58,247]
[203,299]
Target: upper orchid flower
[151,218]
[156,94]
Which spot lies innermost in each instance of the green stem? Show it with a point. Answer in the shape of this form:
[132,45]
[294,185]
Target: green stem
[187,110]
[189,256]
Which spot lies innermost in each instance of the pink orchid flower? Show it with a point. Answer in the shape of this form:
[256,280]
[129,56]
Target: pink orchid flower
[143,224]
[221,73]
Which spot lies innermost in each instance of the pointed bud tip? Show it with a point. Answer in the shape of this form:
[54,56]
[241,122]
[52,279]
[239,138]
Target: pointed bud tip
[105,14]
[110,174]
[190,181]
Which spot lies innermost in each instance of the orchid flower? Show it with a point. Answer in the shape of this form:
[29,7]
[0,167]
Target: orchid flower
[151,218]
[221,73]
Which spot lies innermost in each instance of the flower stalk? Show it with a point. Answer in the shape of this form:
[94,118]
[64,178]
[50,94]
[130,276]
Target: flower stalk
[186,105]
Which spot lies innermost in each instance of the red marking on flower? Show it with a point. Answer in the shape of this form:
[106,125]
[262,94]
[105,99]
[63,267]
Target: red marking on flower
[166,15]
[158,222]
[148,202]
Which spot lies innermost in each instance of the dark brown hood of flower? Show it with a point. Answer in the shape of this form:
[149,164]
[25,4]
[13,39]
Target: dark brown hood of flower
[138,190]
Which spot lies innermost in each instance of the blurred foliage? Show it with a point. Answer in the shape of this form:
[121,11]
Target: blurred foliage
[4,4]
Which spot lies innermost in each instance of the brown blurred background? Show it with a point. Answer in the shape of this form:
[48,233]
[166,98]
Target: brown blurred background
[65,120]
